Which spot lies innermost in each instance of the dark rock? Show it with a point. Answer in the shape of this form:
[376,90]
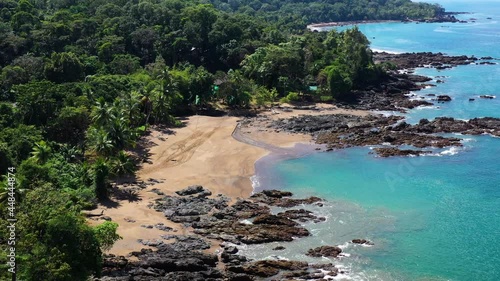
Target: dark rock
[443,98]
[325,251]
[194,189]
[283,202]
[392,151]
[268,268]
[362,241]
[231,250]
[299,215]
[277,193]
[273,220]
[279,248]
[487,97]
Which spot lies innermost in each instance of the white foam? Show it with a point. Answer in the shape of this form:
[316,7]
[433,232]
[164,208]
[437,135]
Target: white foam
[344,246]
[422,107]
[255,182]
[387,51]
[468,140]
[246,222]
[452,151]
[443,30]
[276,257]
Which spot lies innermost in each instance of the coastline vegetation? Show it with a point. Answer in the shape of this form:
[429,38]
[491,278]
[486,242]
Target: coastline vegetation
[81,82]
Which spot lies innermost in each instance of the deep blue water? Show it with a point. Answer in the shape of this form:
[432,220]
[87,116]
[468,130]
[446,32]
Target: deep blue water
[431,218]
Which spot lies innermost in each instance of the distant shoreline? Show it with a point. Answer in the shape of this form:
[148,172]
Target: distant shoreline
[448,17]
[344,23]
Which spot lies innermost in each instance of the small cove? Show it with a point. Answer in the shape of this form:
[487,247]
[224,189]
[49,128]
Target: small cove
[431,218]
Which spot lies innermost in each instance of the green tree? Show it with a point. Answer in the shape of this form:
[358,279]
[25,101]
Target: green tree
[41,152]
[55,242]
[339,81]
[101,174]
[122,164]
[124,64]
[106,235]
[64,67]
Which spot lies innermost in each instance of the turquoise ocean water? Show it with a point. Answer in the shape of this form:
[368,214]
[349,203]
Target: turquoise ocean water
[431,218]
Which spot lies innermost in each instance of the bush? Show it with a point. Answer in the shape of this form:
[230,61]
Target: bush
[106,235]
[326,98]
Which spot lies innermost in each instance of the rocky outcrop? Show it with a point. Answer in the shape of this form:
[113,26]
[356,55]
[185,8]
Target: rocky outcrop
[487,97]
[179,257]
[194,189]
[282,201]
[362,242]
[343,131]
[188,209]
[443,98]
[393,151]
[161,263]
[325,251]
[301,215]
[423,59]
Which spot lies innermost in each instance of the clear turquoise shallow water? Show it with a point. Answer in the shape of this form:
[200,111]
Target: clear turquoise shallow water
[431,218]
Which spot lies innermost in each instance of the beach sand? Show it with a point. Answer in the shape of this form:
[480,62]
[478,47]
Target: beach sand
[202,152]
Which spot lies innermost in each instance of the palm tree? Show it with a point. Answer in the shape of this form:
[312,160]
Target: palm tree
[99,141]
[101,173]
[41,152]
[164,96]
[102,113]
[123,164]
[130,108]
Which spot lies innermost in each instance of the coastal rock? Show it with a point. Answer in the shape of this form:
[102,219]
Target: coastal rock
[274,220]
[194,189]
[277,193]
[443,98]
[362,241]
[325,251]
[301,215]
[160,264]
[342,131]
[422,59]
[392,151]
[487,97]
[268,268]
[188,209]
[261,197]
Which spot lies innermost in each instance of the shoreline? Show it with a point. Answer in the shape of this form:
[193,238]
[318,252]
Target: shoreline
[203,152]
[446,17]
[345,23]
[234,153]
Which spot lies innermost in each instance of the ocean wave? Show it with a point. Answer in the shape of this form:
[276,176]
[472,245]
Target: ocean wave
[422,107]
[344,246]
[454,150]
[255,182]
[387,51]
[444,30]
[451,151]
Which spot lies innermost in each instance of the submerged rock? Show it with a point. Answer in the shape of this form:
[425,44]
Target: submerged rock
[443,98]
[362,241]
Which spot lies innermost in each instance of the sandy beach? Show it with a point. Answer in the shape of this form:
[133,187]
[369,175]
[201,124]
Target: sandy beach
[202,152]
